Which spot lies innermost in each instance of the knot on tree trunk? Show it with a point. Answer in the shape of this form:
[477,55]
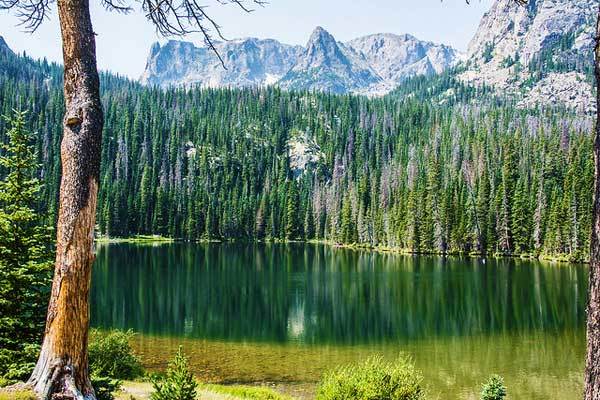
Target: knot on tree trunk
[73,118]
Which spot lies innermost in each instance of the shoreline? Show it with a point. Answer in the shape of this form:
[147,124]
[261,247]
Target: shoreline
[157,239]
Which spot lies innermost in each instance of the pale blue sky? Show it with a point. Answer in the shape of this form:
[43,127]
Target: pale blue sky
[123,41]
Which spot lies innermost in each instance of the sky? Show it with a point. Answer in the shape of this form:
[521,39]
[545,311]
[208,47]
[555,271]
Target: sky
[123,41]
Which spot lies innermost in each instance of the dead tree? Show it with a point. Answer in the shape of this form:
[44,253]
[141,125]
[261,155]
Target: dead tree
[62,368]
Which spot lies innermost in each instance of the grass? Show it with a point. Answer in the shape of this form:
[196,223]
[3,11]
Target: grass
[136,239]
[245,392]
[17,395]
[142,390]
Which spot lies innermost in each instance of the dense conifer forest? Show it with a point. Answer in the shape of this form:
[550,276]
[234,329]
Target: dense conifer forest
[406,171]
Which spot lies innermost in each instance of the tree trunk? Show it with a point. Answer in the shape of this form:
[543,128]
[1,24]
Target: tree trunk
[592,369]
[62,369]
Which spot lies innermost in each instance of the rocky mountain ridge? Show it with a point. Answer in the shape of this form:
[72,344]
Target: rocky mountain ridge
[249,62]
[371,65]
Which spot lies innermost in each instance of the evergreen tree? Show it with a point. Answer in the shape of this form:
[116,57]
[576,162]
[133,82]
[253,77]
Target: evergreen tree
[25,260]
[293,229]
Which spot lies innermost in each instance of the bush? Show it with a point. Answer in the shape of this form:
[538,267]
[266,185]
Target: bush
[104,387]
[373,379]
[17,365]
[493,389]
[111,356]
[178,384]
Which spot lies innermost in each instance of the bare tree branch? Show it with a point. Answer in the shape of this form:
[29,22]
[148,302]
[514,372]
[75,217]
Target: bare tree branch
[31,13]
[117,5]
[182,17]
[170,17]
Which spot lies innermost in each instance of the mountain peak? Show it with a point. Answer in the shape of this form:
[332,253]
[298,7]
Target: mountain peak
[319,31]
[329,66]
[320,36]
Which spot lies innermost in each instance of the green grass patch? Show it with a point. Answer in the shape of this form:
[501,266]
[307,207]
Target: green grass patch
[136,239]
[17,395]
[245,392]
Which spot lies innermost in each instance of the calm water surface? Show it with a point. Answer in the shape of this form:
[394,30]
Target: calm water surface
[283,314]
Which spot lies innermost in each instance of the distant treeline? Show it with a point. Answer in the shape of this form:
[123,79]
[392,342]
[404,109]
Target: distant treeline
[393,171]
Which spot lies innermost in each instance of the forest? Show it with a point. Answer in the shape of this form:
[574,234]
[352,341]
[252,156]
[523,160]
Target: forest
[404,171]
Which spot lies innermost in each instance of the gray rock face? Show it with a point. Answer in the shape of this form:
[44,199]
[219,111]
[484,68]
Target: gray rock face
[249,62]
[397,57]
[509,30]
[371,65]
[4,47]
[303,152]
[512,38]
[569,89]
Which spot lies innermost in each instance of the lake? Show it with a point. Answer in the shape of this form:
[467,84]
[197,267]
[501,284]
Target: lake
[283,314]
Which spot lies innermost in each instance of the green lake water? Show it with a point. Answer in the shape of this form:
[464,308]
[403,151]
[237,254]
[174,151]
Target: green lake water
[283,314]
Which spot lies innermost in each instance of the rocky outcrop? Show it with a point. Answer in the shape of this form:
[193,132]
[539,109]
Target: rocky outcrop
[303,152]
[547,42]
[571,90]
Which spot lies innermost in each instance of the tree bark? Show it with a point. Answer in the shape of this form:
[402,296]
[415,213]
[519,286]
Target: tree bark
[62,368]
[592,369]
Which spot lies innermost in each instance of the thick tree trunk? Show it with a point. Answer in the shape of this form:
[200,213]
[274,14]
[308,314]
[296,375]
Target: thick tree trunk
[592,369]
[62,369]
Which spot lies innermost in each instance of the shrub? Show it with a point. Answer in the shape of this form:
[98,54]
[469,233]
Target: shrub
[111,356]
[17,365]
[104,387]
[373,379]
[493,389]
[177,384]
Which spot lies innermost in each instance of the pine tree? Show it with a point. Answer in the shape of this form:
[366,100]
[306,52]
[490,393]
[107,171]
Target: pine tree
[25,260]
[178,384]
[293,229]
[309,223]
[521,219]
[347,226]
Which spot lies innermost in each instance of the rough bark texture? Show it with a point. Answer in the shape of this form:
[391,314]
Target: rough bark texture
[592,369]
[62,369]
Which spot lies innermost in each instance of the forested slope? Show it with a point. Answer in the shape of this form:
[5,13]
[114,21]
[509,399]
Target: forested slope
[425,176]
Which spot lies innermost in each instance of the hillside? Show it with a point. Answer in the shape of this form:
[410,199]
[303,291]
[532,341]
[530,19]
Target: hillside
[263,163]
